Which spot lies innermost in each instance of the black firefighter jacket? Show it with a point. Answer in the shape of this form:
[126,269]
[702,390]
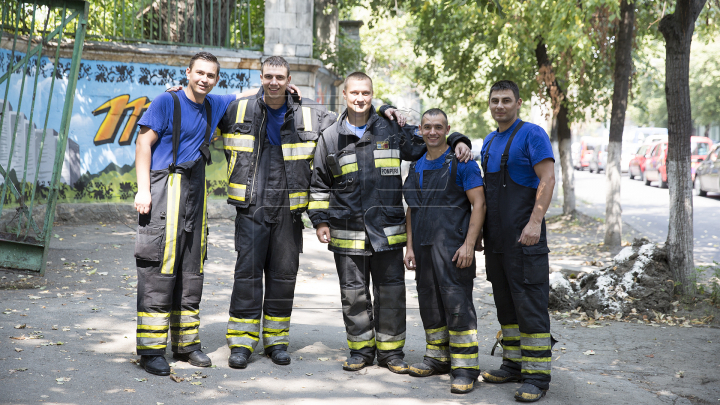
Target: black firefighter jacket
[243,130]
[356,184]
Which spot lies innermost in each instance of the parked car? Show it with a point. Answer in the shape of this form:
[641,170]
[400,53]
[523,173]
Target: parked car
[707,174]
[636,167]
[629,149]
[586,150]
[598,159]
[656,169]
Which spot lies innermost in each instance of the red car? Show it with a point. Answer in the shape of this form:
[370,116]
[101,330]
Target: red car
[655,167]
[636,168]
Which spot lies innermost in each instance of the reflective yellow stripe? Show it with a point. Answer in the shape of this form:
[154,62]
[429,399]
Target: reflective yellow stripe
[524,371]
[298,151]
[538,348]
[153,327]
[154,314]
[186,343]
[360,345]
[537,359]
[429,331]
[203,242]
[238,143]
[236,191]
[390,345]
[535,335]
[151,347]
[298,200]
[463,332]
[231,333]
[239,320]
[194,312]
[471,344]
[171,224]
[394,239]
[348,244]
[387,162]
[307,118]
[318,205]
[185,325]
[231,165]
[242,106]
[511,337]
[463,356]
[276,319]
[186,332]
[152,335]
[511,347]
[509,326]
[352,167]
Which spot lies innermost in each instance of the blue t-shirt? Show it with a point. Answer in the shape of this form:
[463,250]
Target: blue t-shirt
[468,174]
[159,118]
[530,146]
[275,121]
[357,131]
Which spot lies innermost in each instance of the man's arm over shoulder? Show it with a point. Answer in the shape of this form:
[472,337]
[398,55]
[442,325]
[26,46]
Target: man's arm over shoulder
[412,145]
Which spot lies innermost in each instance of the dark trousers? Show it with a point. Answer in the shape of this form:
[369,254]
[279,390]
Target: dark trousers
[272,250]
[447,312]
[379,325]
[521,289]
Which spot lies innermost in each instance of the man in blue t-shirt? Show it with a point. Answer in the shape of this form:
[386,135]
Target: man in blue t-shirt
[446,209]
[171,243]
[519,178]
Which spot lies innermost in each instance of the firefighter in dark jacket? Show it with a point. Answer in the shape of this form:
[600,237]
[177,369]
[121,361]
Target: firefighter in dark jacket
[356,207]
[269,141]
[519,178]
[446,209]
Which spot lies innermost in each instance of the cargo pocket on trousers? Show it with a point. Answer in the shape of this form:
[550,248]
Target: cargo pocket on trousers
[536,265]
[149,243]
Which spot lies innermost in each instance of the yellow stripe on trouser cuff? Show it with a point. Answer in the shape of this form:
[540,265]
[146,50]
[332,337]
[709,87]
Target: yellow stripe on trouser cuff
[171,224]
[153,327]
[536,365]
[186,312]
[389,342]
[436,336]
[203,236]
[185,324]
[356,342]
[298,151]
[243,333]
[440,353]
[153,314]
[360,345]
[275,330]
[458,360]
[237,191]
[153,330]
[298,200]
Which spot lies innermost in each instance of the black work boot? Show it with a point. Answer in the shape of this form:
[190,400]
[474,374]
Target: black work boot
[355,363]
[155,365]
[500,376]
[196,358]
[529,393]
[425,370]
[238,357]
[279,355]
[462,385]
[397,366]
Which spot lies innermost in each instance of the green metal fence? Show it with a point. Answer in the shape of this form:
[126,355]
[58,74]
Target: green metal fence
[236,24]
[33,30]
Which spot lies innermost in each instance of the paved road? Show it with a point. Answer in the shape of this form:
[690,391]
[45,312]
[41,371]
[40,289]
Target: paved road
[646,208]
[81,327]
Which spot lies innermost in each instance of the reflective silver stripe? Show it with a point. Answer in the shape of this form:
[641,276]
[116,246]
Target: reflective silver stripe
[467,336]
[536,363]
[237,191]
[512,353]
[243,333]
[184,336]
[394,230]
[441,353]
[361,338]
[319,196]
[347,159]
[144,320]
[535,343]
[386,153]
[270,324]
[272,340]
[298,200]
[148,340]
[464,360]
[343,234]
[437,336]
[239,325]
[298,151]
[389,338]
[239,143]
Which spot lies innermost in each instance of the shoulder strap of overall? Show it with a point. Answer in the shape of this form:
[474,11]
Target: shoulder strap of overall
[486,156]
[205,147]
[453,162]
[177,113]
[506,153]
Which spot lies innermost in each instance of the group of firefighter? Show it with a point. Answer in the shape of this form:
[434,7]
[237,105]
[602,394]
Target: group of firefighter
[287,155]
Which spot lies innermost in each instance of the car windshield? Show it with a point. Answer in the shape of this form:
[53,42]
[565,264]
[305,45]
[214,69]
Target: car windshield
[642,150]
[699,148]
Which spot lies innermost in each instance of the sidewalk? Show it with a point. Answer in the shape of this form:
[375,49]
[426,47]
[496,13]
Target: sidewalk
[79,337]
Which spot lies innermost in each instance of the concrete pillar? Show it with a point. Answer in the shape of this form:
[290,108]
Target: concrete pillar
[289,28]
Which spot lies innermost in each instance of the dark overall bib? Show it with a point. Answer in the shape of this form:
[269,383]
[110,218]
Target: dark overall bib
[268,241]
[519,274]
[440,221]
[170,250]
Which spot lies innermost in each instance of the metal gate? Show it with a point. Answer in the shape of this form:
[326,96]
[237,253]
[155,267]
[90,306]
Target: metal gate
[32,35]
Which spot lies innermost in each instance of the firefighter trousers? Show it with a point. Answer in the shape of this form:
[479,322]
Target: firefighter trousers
[377,326]
[271,249]
[447,312]
[170,251]
[521,290]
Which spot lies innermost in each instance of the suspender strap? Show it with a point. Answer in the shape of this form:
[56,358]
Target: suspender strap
[176,130]
[506,153]
[205,147]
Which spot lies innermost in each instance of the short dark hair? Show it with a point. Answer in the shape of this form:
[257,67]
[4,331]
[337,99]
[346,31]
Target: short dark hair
[205,56]
[275,61]
[505,85]
[433,112]
[358,76]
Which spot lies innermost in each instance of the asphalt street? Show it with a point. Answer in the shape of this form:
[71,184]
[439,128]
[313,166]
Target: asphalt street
[646,208]
[71,341]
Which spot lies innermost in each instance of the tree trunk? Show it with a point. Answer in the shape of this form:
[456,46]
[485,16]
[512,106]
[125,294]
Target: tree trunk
[195,21]
[568,172]
[677,29]
[613,171]
[556,152]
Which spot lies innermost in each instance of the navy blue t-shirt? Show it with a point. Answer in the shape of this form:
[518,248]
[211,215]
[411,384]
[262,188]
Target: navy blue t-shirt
[468,174]
[159,118]
[275,121]
[530,146]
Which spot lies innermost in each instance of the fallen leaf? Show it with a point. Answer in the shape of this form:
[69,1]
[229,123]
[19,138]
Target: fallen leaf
[589,352]
[196,383]
[323,358]
[650,355]
[140,379]
[177,379]
[21,326]
[308,373]
[129,390]
[17,349]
